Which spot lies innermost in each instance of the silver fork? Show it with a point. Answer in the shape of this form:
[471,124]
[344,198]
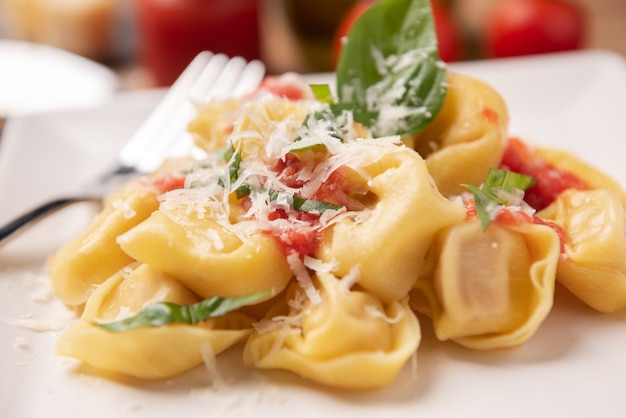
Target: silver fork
[207,77]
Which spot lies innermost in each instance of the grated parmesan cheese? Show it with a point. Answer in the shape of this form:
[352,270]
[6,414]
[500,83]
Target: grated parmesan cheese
[210,364]
[349,280]
[40,325]
[318,265]
[127,210]
[304,279]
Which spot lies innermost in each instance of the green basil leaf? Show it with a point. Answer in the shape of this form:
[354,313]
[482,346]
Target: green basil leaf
[486,205]
[233,159]
[163,313]
[218,306]
[313,206]
[302,204]
[488,198]
[322,93]
[390,71]
[315,116]
[243,191]
[233,167]
[309,147]
[296,202]
[506,181]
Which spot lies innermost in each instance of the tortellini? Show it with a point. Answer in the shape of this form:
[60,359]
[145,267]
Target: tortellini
[213,123]
[406,212]
[594,266]
[347,237]
[93,256]
[595,178]
[488,289]
[466,138]
[205,256]
[350,339]
[148,352]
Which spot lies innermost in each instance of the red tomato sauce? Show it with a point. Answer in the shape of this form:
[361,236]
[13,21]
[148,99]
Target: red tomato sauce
[304,237]
[551,181]
[282,87]
[517,218]
[166,181]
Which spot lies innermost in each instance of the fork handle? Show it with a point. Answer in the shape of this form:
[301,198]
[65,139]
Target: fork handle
[36,214]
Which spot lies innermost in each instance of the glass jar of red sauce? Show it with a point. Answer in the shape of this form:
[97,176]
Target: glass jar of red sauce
[171,32]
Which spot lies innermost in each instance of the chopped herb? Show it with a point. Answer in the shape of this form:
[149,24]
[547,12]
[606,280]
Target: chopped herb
[233,159]
[163,313]
[296,202]
[234,162]
[303,205]
[498,186]
[322,93]
[243,191]
[313,206]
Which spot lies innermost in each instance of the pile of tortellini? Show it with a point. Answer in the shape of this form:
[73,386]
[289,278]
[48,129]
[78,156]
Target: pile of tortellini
[346,284]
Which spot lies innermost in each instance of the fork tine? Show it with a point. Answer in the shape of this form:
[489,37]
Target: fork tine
[227,80]
[218,78]
[233,78]
[250,78]
[207,79]
[169,104]
[163,132]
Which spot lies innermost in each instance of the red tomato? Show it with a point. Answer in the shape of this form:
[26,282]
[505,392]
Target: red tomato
[524,27]
[509,217]
[517,218]
[166,182]
[303,240]
[551,181]
[448,33]
[285,87]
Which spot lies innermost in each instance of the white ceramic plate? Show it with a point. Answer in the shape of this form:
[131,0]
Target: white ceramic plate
[41,78]
[574,366]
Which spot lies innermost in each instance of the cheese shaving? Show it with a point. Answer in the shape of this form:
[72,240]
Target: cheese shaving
[127,211]
[318,265]
[303,278]
[210,364]
[40,325]
[349,280]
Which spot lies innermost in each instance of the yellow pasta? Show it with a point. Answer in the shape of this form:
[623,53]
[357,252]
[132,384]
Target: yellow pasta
[488,289]
[595,178]
[261,119]
[594,265]
[339,239]
[466,138]
[149,352]
[78,267]
[350,339]
[205,256]
[392,239]
[213,123]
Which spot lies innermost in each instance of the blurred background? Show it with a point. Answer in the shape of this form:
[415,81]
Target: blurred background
[148,42]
